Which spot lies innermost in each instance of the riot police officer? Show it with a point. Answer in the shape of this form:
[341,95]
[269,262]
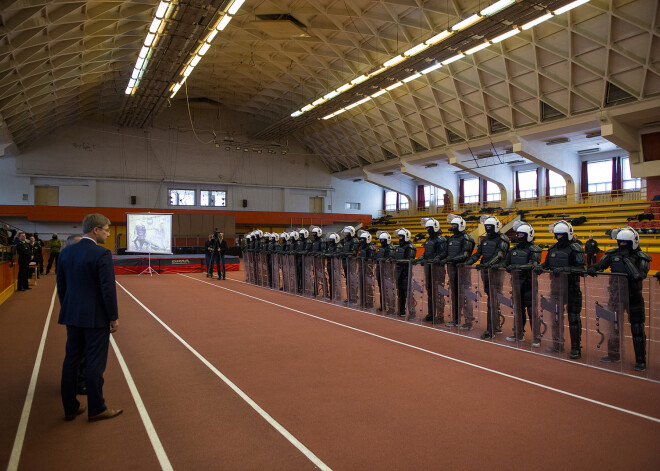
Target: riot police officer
[522,258]
[566,256]
[332,250]
[435,249]
[403,253]
[491,251]
[298,250]
[349,249]
[631,261]
[459,248]
[385,252]
[317,243]
[285,245]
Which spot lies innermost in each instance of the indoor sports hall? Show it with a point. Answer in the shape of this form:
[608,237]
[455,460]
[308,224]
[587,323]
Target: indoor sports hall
[333,234]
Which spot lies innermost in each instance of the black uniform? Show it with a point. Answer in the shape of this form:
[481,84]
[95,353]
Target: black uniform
[384,252]
[299,248]
[317,250]
[208,254]
[566,257]
[403,253]
[331,250]
[40,254]
[492,251]
[523,258]
[435,249]
[24,257]
[366,251]
[635,265]
[459,248]
[591,249]
[36,250]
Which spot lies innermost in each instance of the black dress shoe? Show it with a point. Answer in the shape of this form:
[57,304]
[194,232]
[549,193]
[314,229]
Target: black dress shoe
[20,289]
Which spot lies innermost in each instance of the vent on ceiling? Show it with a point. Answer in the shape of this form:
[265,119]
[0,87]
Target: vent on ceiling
[355,180]
[559,140]
[495,126]
[616,96]
[548,113]
[388,174]
[387,154]
[514,162]
[484,155]
[591,135]
[453,137]
[417,147]
[430,165]
[280,26]
[588,151]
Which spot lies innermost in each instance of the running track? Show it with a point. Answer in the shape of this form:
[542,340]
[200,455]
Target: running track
[233,376]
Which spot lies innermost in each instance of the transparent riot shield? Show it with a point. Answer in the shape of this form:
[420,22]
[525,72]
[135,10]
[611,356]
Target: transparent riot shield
[308,279]
[338,282]
[388,292]
[442,297]
[472,302]
[506,307]
[550,295]
[275,282]
[320,278]
[371,293]
[263,269]
[291,269]
[606,301]
[247,266]
[652,329]
[354,282]
[418,296]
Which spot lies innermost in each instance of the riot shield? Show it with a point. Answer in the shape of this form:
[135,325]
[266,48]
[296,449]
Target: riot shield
[320,278]
[338,283]
[472,302]
[506,308]
[247,266]
[388,291]
[371,293]
[606,300]
[275,271]
[550,295]
[354,282]
[653,330]
[263,269]
[308,279]
[418,295]
[442,297]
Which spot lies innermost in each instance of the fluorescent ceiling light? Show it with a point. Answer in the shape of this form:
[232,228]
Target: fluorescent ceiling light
[437,38]
[296,113]
[378,93]
[306,108]
[211,35]
[502,37]
[466,22]
[331,95]
[149,40]
[155,25]
[432,68]
[131,83]
[394,85]
[128,90]
[412,77]
[495,7]
[393,61]
[195,61]
[477,48]
[224,22]
[352,105]
[340,111]
[570,6]
[162,9]
[377,71]
[202,50]
[235,6]
[327,117]
[139,62]
[453,59]
[416,50]
[533,23]
[360,79]
[318,102]
[364,100]
[143,52]
[188,71]
[344,87]
[135,74]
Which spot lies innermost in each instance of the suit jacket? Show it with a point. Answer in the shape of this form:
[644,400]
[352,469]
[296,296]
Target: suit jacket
[86,286]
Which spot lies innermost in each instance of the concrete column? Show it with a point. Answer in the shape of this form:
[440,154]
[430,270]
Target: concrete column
[398,183]
[488,169]
[441,176]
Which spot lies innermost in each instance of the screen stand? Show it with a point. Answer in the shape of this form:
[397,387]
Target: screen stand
[149,270]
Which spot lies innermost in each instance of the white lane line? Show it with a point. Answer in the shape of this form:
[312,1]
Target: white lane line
[164,461]
[267,417]
[463,362]
[27,406]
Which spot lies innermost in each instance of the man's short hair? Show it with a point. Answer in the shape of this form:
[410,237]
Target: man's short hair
[94,220]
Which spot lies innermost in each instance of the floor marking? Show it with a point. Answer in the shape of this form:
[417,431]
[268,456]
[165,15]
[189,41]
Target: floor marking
[463,362]
[27,406]
[164,461]
[267,417]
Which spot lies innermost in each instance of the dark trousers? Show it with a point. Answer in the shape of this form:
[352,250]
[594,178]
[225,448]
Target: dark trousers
[219,261]
[92,343]
[591,258]
[207,258]
[51,258]
[23,271]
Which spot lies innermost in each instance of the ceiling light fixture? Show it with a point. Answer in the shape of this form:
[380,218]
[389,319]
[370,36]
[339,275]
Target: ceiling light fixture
[466,22]
[570,6]
[537,21]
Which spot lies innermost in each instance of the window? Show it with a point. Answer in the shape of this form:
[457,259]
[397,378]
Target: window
[527,184]
[600,176]
[213,198]
[352,205]
[471,190]
[492,192]
[557,184]
[427,196]
[390,200]
[182,197]
[629,183]
[403,202]
[433,196]
[439,197]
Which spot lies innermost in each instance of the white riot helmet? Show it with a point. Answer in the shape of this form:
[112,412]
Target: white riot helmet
[489,220]
[318,231]
[266,235]
[366,236]
[258,233]
[626,233]
[248,236]
[431,222]
[350,230]
[304,233]
[562,227]
[384,235]
[522,226]
[294,235]
[275,236]
[334,237]
[405,233]
[456,219]
[285,236]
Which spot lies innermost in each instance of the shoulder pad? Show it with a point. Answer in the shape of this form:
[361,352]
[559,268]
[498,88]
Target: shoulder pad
[467,236]
[611,251]
[577,247]
[535,248]
[644,256]
[504,237]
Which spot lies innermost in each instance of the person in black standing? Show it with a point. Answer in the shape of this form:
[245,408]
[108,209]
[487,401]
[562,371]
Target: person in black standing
[591,249]
[385,252]
[40,253]
[222,251]
[208,254]
[35,256]
[25,255]
[219,248]
[435,249]
[403,253]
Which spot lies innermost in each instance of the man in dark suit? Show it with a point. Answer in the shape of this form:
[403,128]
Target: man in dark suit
[25,256]
[88,299]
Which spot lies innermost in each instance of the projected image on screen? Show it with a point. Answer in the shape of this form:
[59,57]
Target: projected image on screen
[149,233]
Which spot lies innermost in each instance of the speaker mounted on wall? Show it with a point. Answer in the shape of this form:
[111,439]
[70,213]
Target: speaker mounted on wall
[245,203]
[133,200]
